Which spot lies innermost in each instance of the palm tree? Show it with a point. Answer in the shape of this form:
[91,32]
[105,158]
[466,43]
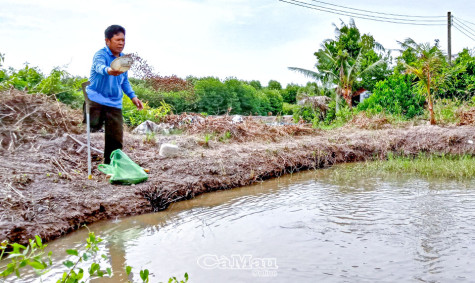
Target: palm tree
[427,68]
[351,72]
[340,61]
[340,69]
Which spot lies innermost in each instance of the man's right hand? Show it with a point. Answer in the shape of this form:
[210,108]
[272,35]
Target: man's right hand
[112,72]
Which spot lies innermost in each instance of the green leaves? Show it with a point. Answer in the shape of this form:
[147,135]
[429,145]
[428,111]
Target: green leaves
[22,256]
[128,269]
[395,95]
[94,268]
[39,243]
[33,256]
[428,69]
[36,264]
[72,252]
[68,263]
[144,275]
[175,280]
[134,117]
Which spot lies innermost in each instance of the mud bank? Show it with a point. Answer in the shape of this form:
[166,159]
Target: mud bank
[46,192]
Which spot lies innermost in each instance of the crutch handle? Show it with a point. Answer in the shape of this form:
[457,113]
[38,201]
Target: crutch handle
[86,98]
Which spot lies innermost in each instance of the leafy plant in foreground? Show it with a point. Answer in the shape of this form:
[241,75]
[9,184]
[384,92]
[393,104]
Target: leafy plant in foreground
[33,255]
[21,256]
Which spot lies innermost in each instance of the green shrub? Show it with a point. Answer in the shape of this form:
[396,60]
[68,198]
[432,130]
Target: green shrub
[3,75]
[331,112]
[289,94]
[246,94]
[214,97]
[337,119]
[24,79]
[343,116]
[74,99]
[306,113]
[264,103]
[274,85]
[289,109]
[51,84]
[134,117]
[275,101]
[181,101]
[447,111]
[459,82]
[255,84]
[395,95]
[60,83]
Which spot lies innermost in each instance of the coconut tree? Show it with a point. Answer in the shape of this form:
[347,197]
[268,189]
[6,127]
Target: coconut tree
[341,69]
[427,68]
[351,72]
[342,61]
[332,73]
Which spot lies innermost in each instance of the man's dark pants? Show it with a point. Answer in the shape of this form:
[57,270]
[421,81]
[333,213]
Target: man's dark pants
[114,129]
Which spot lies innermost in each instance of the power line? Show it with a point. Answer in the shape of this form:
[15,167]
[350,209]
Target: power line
[356,15]
[466,21]
[398,15]
[470,30]
[467,31]
[365,15]
[463,33]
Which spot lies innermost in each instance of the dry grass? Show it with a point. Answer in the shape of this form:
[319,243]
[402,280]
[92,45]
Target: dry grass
[363,121]
[25,117]
[467,117]
[248,130]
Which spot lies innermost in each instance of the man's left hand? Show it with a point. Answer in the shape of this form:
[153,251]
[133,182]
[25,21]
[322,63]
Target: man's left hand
[137,103]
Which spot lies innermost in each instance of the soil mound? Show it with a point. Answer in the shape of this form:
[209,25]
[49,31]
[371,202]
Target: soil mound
[25,117]
[242,129]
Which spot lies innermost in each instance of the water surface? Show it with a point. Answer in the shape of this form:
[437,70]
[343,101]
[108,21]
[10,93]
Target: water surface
[317,226]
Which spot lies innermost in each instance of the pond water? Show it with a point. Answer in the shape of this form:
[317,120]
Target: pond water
[318,226]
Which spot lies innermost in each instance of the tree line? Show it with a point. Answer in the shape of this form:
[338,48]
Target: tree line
[406,85]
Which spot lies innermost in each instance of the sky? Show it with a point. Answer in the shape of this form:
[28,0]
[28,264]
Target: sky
[245,39]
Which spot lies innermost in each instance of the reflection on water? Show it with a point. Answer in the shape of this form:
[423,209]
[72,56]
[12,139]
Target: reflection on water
[309,227]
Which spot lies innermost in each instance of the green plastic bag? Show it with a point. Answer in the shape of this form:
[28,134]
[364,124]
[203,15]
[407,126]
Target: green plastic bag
[123,169]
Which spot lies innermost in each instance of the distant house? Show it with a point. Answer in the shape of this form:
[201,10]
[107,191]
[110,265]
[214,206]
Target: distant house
[360,95]
[365,94]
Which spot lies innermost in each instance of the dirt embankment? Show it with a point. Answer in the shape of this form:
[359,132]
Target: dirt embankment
[45,190]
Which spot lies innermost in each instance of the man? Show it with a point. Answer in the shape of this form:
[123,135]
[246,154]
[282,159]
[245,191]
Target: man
[106,90]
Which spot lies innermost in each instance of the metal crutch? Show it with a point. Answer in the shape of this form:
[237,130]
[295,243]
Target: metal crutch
[86,101]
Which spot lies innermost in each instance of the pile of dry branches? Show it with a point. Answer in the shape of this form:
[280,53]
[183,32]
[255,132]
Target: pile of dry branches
[24,117]
[363,121]
[467,117]
[246,130]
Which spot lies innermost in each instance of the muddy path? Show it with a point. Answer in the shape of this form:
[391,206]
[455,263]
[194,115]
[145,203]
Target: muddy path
[45,190]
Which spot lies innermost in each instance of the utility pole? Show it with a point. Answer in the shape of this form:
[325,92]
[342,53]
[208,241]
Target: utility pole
[449,36]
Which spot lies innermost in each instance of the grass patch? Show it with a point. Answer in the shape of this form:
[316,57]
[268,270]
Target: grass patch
[442,166]
[436,168]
